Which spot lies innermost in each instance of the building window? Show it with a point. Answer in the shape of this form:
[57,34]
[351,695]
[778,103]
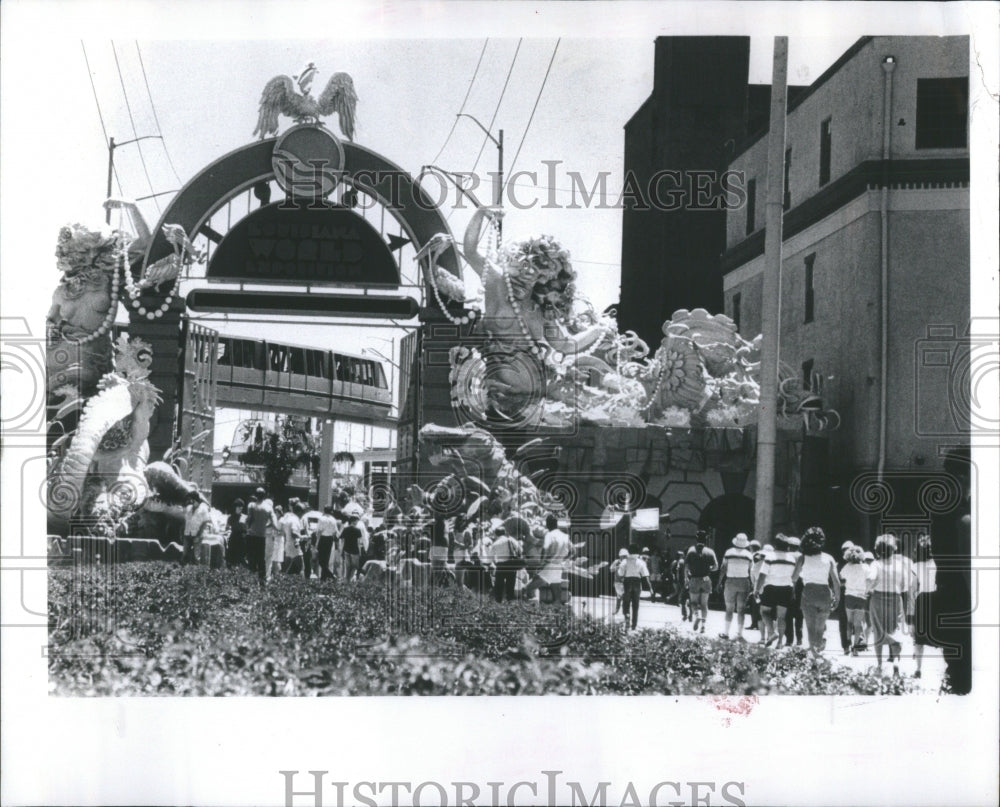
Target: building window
[787,198]
[824,152]
[751,206]
[737,306]
[807,372]
[942,113]
[810,299]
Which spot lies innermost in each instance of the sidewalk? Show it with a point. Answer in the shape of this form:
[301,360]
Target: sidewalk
[659,615]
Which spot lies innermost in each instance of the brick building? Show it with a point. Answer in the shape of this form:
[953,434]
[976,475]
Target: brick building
[876,242]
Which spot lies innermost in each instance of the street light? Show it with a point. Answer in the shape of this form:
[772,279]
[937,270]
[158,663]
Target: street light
[498,179]
[112,145]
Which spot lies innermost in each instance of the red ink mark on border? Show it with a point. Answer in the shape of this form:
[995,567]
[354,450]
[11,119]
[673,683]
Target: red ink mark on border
[742,705]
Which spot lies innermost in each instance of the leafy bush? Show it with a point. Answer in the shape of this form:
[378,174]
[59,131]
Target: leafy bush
[159,629]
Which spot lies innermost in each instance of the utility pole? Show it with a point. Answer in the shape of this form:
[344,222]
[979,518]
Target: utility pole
[771,297]
[498,178]
[112,145]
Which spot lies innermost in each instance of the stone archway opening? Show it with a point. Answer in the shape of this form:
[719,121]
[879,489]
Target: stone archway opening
[725,516]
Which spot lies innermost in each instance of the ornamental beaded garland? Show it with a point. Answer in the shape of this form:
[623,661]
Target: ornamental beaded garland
[105,326]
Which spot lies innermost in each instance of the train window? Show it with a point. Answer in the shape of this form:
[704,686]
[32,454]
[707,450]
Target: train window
[297,360]
[380,380]
[341,368]
[279,358]
[368,377]
[225,354]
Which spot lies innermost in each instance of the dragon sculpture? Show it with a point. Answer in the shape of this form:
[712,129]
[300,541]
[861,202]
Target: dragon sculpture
[280,98]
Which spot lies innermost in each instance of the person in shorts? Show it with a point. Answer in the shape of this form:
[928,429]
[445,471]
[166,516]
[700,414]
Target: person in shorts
[734,582]
[776,590]
[752,605]
[854,575]
[699,564]
[817,572]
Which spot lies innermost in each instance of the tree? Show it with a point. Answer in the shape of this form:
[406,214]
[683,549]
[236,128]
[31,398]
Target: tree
[275,453]
[346,459]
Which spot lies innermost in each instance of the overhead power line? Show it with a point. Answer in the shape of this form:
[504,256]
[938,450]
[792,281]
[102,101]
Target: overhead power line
[152,106]
[510,170]
[135,132]
[100,116]
[489,128]
[468,92]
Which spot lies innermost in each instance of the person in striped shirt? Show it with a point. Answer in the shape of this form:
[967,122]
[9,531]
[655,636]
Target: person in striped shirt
[776,590]
[734,581]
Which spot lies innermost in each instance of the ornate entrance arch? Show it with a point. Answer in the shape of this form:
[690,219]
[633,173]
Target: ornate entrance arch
[156,318]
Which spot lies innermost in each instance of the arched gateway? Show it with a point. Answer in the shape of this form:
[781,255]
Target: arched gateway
[312,236]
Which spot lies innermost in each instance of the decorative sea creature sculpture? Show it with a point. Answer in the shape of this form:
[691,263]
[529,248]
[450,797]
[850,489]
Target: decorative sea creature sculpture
[280,98]
[106,453]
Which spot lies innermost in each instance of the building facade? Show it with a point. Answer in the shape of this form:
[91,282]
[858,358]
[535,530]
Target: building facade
[875,260]
[700,108]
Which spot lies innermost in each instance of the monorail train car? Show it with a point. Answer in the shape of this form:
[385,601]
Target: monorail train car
[258,374]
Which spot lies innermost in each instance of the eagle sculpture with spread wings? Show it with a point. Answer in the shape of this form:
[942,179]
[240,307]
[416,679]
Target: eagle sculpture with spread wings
[280,98]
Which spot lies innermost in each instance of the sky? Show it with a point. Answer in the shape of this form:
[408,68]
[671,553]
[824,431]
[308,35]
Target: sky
[202,98]
[199,99]
[206,63]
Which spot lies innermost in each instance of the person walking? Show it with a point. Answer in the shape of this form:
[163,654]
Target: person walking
[699,564]
[197,521]
[326,530]
[556,552]
[841,609]
[351,536]
[734,582]
[236,544]
[752,604]
[508,557]
[632,571]
[924,614]
[794,624]
[890,588]
[275,538]
[618,582]
[855,576]
[817,571]
[776,591]
[681,587]
[261,519]
[290,524]
[461,546]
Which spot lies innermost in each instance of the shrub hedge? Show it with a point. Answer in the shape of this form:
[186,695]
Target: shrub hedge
[160,629]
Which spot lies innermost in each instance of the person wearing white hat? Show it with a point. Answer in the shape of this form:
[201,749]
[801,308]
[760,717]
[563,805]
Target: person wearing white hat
[734,581]
[841,609]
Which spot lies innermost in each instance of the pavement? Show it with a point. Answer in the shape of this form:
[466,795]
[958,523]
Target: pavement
[659,615]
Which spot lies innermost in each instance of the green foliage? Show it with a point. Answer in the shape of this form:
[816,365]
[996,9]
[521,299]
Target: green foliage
[278,452]
[158,629]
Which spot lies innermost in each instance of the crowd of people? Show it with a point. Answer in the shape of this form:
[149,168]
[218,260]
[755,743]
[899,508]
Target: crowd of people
[789,584]
[346,542]
[789,588]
